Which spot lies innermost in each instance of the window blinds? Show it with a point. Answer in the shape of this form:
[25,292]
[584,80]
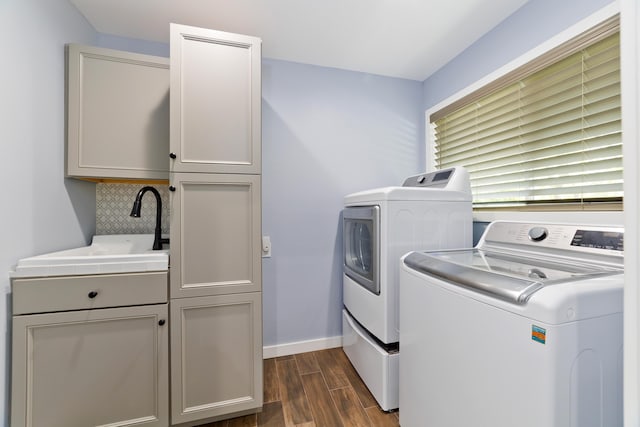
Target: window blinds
[552,135]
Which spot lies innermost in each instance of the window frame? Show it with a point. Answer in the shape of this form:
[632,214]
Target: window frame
[584,26]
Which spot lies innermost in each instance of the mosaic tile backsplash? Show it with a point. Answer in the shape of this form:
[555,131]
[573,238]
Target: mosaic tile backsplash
[113,206]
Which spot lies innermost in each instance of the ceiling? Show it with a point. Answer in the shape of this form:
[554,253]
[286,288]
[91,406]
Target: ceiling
[409,39]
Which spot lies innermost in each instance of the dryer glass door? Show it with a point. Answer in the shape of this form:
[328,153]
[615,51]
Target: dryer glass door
[361,246]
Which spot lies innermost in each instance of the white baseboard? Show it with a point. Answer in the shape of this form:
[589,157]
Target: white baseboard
[300,347]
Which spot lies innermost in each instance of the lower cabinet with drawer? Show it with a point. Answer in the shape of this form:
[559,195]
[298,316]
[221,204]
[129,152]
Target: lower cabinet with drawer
[103,363]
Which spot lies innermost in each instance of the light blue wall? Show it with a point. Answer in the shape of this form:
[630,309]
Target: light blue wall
[325,133]
[41,210]
[532,24]
[132,45]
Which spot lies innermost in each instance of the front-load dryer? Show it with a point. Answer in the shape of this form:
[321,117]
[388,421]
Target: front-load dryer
[429,211]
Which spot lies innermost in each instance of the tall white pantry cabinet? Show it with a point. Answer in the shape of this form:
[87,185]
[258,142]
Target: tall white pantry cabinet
[215,183]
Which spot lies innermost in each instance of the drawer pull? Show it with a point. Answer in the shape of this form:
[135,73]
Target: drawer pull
[92,294]
[161,322]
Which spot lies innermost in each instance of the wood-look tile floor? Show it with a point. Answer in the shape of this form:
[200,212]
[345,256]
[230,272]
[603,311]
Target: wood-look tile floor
[316,389]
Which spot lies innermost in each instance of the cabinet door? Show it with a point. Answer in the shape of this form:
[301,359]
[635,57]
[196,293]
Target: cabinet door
[216,356]
[118,114]
[215,101]
[90,368]
[215,234]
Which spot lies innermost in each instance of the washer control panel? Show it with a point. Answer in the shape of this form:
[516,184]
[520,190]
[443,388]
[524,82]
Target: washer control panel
[599,239]
[538,234]
[593,239]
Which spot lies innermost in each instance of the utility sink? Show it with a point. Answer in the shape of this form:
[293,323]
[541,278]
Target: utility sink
[118,253]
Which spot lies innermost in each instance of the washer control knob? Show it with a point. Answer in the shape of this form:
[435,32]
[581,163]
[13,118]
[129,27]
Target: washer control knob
[538,234]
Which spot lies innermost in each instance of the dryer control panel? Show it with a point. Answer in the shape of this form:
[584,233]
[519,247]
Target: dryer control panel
[456,178]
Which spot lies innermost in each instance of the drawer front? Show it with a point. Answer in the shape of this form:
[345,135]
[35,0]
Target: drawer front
[49,294]
[378,369]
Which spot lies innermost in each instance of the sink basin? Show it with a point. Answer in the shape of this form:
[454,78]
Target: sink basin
[118,253]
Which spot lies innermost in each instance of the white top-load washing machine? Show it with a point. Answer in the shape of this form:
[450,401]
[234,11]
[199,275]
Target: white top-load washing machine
[430,211]
[523,330]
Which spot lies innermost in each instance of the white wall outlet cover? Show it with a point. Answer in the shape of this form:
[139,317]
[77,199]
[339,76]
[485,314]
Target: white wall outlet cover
[266,246]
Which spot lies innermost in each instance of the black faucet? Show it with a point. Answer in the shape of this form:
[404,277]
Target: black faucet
[135,212]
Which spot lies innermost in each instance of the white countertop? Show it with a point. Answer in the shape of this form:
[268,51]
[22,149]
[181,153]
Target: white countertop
[108,254]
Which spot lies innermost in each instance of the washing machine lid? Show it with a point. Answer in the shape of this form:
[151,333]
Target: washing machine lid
[509,277]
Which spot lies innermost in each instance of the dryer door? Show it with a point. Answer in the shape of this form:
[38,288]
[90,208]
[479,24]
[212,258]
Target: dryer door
[361,237]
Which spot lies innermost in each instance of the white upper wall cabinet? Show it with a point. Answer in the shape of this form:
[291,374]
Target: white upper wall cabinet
[117,114]
[215,101]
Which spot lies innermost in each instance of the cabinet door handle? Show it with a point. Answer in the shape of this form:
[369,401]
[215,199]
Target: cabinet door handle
[172,188]
[92,294]
[172,155]
[161,322]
